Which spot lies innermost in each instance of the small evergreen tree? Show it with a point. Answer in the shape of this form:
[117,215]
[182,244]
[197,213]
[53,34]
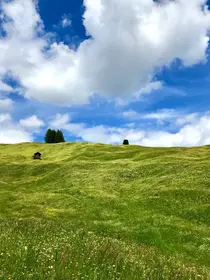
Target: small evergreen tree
[53,135]
[125,142]
[50,136]
[62,137]
[59,137]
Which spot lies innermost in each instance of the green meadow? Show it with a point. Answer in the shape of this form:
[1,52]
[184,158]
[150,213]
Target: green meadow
[94,211]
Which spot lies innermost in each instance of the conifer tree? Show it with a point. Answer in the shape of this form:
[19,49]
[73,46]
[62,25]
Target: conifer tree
[47,137]
[50,136]
[53,135]
[59,137]
[62,137]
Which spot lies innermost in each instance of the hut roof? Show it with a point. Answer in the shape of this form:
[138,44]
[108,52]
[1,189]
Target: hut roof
[38,153]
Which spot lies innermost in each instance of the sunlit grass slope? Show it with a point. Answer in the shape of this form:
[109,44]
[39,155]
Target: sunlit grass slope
[93,211]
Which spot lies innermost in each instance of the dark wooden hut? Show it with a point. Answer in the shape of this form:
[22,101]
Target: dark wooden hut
[37,155]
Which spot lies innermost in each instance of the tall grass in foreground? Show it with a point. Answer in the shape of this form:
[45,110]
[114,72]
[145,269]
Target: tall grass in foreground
[46,250]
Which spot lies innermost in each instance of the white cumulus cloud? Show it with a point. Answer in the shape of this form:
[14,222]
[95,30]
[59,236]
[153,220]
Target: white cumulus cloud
[5,104]
[59,121]
[5,118]
[130,41]
[14,135]
[32,122]
[11,132]
[4,87]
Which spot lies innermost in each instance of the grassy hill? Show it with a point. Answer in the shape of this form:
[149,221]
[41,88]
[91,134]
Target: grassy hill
[93,211]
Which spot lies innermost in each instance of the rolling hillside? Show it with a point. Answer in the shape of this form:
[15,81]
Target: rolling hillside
[93,211]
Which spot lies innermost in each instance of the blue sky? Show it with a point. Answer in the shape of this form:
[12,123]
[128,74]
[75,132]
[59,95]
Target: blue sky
[103,72]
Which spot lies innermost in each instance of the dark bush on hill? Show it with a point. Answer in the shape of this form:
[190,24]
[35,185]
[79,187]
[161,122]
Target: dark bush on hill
[125,142]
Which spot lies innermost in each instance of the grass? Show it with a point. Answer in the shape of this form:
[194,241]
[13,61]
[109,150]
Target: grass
[93,211]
